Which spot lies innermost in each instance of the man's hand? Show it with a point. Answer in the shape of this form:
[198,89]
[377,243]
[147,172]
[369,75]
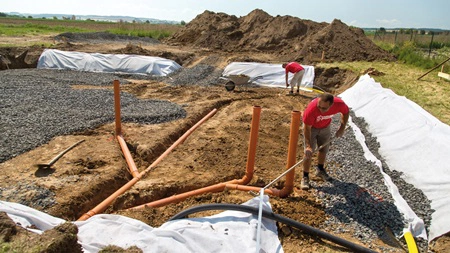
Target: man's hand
[340,132]
[308,153]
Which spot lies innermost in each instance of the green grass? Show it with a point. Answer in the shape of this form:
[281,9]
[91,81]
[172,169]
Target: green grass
[156,34]
[35,29]
[430,92]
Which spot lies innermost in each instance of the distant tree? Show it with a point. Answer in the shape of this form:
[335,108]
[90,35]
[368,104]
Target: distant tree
[55,17]
[30,17]
[44,18]
[422,32]
[147,21]
[382,30]
[182,22]
[73,17]
[3,14]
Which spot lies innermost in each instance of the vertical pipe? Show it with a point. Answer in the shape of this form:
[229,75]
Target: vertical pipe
[292,153]
[117,106]
[252,145]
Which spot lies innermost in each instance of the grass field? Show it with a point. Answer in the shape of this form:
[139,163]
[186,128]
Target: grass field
[26,27]
[430,92]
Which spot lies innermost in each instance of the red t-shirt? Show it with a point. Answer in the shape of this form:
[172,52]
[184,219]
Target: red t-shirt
[312,115]
[293,67]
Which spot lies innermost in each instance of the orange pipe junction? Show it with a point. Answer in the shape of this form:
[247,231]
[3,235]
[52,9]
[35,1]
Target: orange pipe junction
[123,145]
[237,184]
[105,203]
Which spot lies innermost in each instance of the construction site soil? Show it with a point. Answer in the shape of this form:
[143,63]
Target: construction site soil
[216,152]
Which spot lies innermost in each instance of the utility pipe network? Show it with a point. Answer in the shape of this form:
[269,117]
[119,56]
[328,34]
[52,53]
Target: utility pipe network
[240,184]
[105,203]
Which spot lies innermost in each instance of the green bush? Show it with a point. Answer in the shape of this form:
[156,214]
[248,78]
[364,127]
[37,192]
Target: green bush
[408,53]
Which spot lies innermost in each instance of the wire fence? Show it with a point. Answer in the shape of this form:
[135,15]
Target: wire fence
[422,40]
[427,44]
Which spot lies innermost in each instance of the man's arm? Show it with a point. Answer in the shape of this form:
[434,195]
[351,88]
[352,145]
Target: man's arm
[286,77]
[307,138]
[344,120]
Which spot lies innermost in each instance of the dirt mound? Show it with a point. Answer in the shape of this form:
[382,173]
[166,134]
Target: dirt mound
[19,57]
[288,37]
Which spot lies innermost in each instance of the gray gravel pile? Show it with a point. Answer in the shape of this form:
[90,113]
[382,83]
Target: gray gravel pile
[201,74]
[357,199]
[37,105]
[29,194]
[101,37]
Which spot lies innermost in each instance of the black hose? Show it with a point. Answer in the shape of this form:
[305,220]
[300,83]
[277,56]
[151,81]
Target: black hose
[272,216]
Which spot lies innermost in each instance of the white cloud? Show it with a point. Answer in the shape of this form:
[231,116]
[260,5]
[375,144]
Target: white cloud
[388,22]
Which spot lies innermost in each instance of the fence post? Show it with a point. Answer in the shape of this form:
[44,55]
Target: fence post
[431,45]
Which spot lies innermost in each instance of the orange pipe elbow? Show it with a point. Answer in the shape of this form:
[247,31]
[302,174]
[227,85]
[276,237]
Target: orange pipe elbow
[126,152]
[179,197]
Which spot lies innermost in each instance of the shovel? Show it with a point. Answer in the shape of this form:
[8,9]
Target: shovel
[49,164]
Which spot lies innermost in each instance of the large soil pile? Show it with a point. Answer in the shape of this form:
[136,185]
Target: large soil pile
[288,37]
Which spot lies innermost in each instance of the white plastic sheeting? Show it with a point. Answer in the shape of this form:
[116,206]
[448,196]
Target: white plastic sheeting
[112,63]
[412,141]
[273,75]
[229,231]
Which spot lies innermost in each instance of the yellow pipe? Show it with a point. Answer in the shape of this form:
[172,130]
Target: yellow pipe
[412,246]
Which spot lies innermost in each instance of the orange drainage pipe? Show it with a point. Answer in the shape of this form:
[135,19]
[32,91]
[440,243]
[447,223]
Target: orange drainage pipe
[105,203]
[123,145]
[292,154]
[290,175]
[220,186]
[251,154]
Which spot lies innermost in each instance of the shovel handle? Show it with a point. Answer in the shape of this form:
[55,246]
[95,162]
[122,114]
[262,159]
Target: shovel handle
[62,153]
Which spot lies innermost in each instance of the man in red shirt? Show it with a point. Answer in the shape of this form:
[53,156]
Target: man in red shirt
[298,72]
[317,132]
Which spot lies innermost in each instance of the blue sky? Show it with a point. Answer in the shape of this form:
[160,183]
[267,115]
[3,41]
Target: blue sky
[359,13]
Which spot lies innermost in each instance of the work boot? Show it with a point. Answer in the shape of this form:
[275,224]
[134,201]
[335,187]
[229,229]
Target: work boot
[322,174]
[304,184]
[298,90]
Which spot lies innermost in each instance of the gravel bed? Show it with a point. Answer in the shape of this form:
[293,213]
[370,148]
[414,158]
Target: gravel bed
[39,104]
[201,74]
[358,201]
